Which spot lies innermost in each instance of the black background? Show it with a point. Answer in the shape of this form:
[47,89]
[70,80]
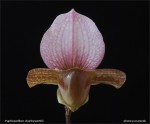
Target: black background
[124,26]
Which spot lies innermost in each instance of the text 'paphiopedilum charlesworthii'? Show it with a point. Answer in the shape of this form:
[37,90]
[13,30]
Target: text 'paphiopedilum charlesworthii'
[72,48]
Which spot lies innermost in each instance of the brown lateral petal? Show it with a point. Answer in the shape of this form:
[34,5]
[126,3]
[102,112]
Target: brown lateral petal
[42,76]
[112,77]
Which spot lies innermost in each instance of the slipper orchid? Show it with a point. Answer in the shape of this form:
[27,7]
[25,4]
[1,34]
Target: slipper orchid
[72,48]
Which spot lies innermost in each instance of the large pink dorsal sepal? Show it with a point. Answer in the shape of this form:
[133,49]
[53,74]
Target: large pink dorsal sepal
[73,40]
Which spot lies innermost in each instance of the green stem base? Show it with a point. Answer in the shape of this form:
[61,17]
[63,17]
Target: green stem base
[68,115]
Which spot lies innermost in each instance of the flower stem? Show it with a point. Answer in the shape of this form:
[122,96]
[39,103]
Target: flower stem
[68,115]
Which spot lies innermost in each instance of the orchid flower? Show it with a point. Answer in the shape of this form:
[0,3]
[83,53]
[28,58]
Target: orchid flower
[72,48]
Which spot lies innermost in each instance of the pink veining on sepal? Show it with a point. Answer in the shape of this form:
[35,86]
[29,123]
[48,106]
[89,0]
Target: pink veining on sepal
[73,40]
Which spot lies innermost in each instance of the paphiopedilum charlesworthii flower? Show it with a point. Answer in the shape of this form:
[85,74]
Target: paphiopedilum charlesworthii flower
[72,48]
